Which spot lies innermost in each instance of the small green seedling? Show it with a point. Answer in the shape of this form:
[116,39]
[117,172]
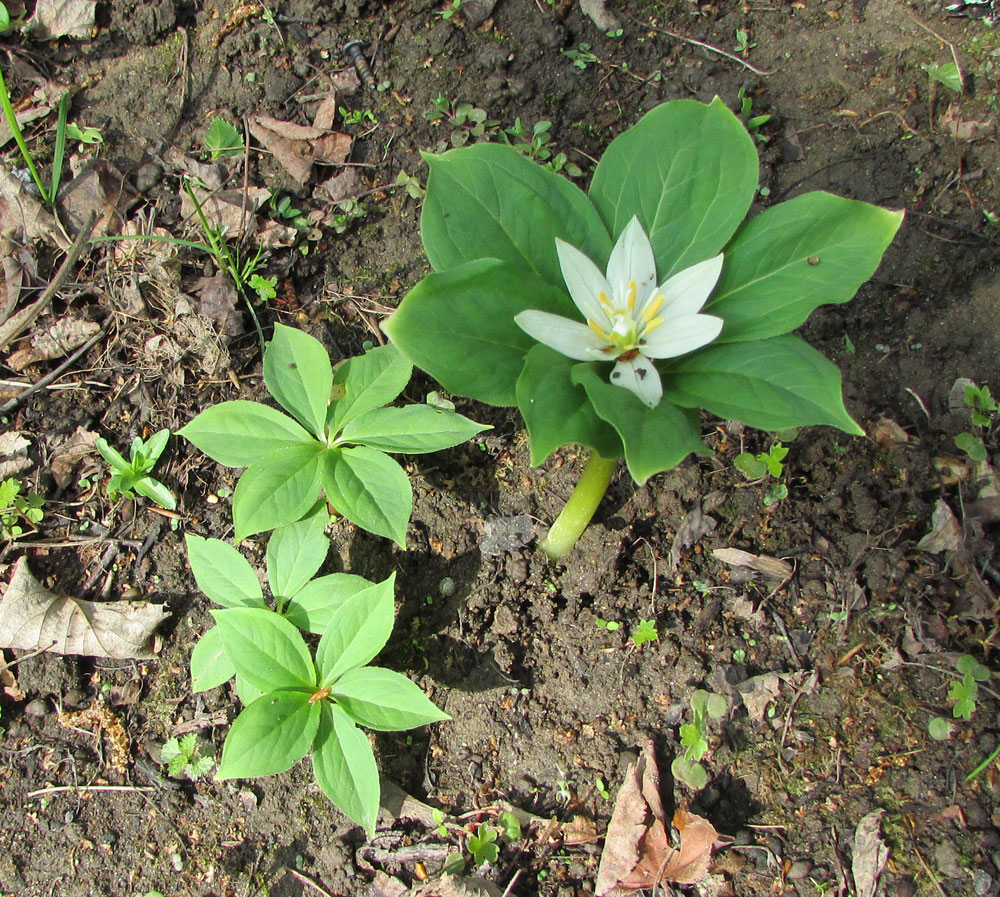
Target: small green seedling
[762,465]
[414,189]
[470,123]
[982,409]
[581,57]
[358,116]
[963,693]
[83,134]
[133,476]
[47,192]
[281,209]
[743,43]
[645,632]
[264,287]
[184,758]
[694,737]
[510,827]
[537,147]
[319,701]
[336,439]
[607,625]
[18,511]
[602,789]
[752,122]
[450,10]
[482,845]
[222,139]
[948,74]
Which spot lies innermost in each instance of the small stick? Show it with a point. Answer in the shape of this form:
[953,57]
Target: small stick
[702,44]
[306,880]
[62,789]
[13,327]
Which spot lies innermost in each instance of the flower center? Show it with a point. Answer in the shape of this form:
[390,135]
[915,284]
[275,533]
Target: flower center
[623,330]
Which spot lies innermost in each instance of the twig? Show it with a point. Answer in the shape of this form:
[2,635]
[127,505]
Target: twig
[951,46]
[703,45]
[306,880]
[17,660]
[17,323]
[62,789]
[19,399]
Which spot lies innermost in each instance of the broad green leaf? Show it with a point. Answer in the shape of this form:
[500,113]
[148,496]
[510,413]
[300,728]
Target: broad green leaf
[345,767]
[223,573]
[111,455]
[357,631]
[556,412]
[768,384]
[692,774]
[797,255]
[295,552]
[210,666]
[156,444]
[384,700]
[312,607]
[459,327]
[246,692]
[298,374]
[222,139]
[688,171]
[270,736]
[265,648]
[238,434]
[369,489]
[154,490]
[369,381]
[655,439]
[413,429]
[277,490]
[490,201]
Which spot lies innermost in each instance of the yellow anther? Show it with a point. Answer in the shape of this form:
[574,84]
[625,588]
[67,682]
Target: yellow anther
[598,330]
[602,297]
[631,294]
[652,325]
[652,308]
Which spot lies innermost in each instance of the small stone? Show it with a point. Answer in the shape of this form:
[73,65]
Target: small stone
[446,587]
[905,887]
[799,870]
[982,883]
[39,707]
[148,176]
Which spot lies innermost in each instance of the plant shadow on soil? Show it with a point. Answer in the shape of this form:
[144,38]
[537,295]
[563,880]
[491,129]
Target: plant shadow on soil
[544,700]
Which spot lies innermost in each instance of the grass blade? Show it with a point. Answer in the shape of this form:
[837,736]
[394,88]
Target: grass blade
[59,153]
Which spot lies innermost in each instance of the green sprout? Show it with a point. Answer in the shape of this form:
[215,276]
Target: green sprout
[184,758]
[705,705]
[222,139]
[17,510]
[482,845]
[645,632]
[133,476]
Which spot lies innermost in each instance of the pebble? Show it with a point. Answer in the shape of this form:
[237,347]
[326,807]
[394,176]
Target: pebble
[38,707]
[905,887]
[148,176]
[799,870]
[982,883]
[447,586]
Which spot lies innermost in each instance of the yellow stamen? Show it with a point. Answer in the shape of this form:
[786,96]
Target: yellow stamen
[602,297]
[652,308]
[631,295]
[652,325]
[598,330]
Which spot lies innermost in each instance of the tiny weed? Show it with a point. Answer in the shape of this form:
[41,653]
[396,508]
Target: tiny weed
[470,123]
[705,705]
[281,209]
[982,410]
[133,476]
[538,146]
[482,845]
[184,758]
[264,287]
[743,43]
[18,511]
[581,57]
[947,74]
[769,463]
[645,632]
[411,183]
[222,139]
[449,10]
[608,625]
[752,122]
[602,789]
[358,117]
[510,827]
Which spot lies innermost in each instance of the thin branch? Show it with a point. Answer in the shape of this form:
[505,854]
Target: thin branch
[700,43]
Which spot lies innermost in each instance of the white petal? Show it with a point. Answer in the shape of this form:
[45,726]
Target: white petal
[678,336]
[569,338]
[632,259]
[639,376]
[687,291]
[584,281]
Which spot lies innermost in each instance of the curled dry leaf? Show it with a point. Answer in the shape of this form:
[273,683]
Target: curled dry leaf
[32,618]
[13,454]
[637,852]
[771,567]
[228,211]
[53,338]
[870,854]
[24,216]
[297,147]
[887,433]
[945,534]
[63,18]
[69,454]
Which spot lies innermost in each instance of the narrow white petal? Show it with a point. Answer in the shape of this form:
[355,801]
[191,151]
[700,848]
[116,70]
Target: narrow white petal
[687,291]
[678,336]
[632,260]
[639,376]
[569,338]
[584,281]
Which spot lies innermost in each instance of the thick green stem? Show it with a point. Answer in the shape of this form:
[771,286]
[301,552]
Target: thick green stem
[582,504]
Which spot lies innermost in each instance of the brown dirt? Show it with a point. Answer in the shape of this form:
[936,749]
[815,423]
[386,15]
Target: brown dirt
[548,708]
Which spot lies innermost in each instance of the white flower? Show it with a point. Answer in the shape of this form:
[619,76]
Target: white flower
[630,319]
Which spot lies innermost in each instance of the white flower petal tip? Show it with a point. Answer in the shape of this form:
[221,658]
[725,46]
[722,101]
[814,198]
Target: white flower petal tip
[629,319]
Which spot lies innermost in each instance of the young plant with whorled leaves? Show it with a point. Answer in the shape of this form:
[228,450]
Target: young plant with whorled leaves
[611,319]
[336,439]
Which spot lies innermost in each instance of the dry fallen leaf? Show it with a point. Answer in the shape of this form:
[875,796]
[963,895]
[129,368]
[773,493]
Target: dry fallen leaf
[69,454]
[870,854]
[24,215]
[63,18]
[229,211]
[758,692]
[297,147]
[945,534]
[762,563]
[338,188]
[637,850]
[887,433]
[13,454]
[53,339]
[32,618]
[96,189]
[695,525]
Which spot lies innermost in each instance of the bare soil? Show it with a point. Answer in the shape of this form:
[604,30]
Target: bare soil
[853,652]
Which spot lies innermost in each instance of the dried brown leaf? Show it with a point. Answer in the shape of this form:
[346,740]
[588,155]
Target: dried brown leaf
[771,567]
[24,216]
[297,147]
[32,618]
[694,526]
[217,299]
[338,188]
[887,433]
[230,211]
[54,339]
[870,854]
[63,18]
[13,454]
[96,189]
[945,534]
[67,456]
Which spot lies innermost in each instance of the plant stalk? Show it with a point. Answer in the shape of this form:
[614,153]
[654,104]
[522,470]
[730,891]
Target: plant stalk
[580,508]
[9,114]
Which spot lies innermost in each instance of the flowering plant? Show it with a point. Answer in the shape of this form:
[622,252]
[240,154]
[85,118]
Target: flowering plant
[694,310]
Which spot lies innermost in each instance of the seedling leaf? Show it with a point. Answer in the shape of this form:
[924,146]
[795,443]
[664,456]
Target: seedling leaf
[357,631]
[345,767]
[222,573]
[265,649]
[384,700]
